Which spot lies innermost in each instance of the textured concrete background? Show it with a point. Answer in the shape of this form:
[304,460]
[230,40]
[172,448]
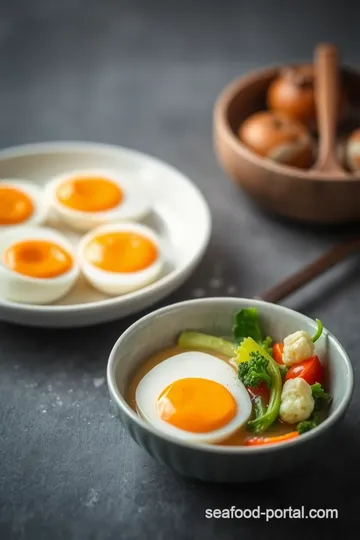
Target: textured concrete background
[146,74]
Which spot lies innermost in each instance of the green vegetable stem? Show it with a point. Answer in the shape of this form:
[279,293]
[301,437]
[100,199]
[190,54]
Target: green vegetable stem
[197,340]
[319,331]
[262,367]
[259,406]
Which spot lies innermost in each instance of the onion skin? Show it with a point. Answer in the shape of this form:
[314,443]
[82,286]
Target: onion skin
[275,136]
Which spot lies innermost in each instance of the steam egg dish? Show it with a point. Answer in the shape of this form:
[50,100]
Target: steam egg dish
[21,203]
[37,265]
[242,391]
[89,198]
[121,258]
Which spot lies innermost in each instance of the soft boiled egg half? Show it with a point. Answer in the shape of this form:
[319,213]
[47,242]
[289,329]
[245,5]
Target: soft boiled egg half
[194,396]
[37,265]
[86,199]
[21,203]
[120,258]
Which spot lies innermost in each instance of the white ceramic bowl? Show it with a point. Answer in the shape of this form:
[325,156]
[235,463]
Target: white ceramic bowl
[180,217]
[223,463]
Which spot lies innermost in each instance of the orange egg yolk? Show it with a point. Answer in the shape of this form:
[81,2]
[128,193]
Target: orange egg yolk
[37,259]
[121,252]
[92,194]
[196,405]
[15,206]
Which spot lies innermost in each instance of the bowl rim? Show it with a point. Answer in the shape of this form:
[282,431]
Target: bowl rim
[120,401]
[222,127]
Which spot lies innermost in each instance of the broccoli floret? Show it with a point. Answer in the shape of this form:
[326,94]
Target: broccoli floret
[255,371]
[306,425]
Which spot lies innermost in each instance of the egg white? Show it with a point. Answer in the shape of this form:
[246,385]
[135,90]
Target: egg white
[37,196]
[16,287]
[135,205]
[199,365]
[117,283]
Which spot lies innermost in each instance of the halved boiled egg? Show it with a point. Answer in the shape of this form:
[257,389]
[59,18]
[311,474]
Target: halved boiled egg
[37,265]
[194,396]
[21,203]
[120,258]
[86,199]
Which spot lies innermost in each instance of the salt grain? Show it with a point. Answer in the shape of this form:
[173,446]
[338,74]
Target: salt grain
[231,289]
[215,283]
[98,381]
[197,293]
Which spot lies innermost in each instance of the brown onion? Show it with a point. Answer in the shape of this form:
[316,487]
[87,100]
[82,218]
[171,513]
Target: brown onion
[276,136]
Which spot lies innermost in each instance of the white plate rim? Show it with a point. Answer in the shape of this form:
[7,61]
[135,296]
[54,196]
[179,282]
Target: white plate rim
[175,275]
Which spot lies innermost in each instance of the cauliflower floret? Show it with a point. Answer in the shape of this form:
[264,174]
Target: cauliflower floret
[297,402]
[297,347]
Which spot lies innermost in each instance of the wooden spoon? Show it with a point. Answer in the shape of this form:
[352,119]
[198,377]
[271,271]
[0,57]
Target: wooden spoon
[327,95]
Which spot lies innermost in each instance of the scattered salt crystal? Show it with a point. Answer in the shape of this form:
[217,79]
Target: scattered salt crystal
[198,292]
[215,283]
[92,498]
[231,289]
[98,381]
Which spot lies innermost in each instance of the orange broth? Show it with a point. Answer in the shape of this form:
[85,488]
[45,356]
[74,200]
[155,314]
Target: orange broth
[238,438]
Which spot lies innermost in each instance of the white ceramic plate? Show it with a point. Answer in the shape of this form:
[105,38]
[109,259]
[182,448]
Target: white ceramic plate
[181,218]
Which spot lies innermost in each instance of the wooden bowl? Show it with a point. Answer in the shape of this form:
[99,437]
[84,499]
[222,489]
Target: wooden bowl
[305,195]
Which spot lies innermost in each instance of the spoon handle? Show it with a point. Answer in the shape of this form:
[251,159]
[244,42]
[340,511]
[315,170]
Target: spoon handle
[326,261]
[327,95]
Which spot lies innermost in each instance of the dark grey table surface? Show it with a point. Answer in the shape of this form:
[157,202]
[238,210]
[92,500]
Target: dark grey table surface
[145,75]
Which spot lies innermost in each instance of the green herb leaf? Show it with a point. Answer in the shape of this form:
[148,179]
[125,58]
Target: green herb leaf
[246,324]
[306,425]
[318,392]
[319,395]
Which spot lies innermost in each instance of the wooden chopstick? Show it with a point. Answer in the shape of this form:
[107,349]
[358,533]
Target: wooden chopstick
[326,261]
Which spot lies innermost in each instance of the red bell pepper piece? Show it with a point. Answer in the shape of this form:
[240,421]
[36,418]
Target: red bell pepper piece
[310,370]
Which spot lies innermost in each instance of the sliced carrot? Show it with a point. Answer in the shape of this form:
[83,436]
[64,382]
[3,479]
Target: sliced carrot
[278,351]
[257,441]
